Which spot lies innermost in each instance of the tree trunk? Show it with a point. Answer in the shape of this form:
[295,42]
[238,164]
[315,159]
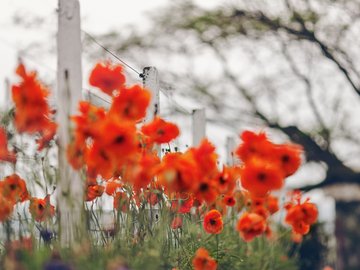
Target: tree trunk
[347,234]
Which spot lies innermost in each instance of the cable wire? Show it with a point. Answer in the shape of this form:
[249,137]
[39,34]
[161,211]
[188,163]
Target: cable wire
[111,53]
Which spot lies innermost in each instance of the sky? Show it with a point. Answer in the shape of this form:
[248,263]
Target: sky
[97,17]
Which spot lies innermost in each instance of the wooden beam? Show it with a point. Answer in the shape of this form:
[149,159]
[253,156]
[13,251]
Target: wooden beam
[231,158]
[151,83]
[70,187]
[198,126]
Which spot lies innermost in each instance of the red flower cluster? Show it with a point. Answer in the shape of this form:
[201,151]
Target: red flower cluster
[266,164]
[203,261]
[213,222]
[12,190]
[5,154]
[32,112]
[41,209]
[265,167]
[300,215]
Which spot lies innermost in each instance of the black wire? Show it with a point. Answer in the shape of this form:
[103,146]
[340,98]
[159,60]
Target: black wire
[111,53]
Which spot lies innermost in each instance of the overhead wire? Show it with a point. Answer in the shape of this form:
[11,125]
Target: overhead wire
[166,93]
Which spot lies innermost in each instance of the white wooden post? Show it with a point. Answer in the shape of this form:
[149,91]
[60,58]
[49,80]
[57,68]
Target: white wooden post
[151,83]
[198,126]
[231,158]
[7,97]
[70,188]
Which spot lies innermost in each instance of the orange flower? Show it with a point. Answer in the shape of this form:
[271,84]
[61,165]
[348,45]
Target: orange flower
[301,216]
[206,191]
[5,154]
[109,151]
[41,209]
[118,137]
[6,208]
[251,225]
[75,154]
[176,223]
[47,134]
[94,191]
[259,177]
[160,131]
[112,187]
[226,180]
[14,188]
[131,103]
[213,222]
[296,237]
[32,113]
[229,201]
[87,121]
[261,211]
[289,157]
[182,203]
[178,173]
[141,171]
[254,145]
[107,77]
[99,162]
[205,158]
[272,204]
[202,260]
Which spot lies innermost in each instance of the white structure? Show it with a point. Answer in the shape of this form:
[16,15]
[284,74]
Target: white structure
[70,188]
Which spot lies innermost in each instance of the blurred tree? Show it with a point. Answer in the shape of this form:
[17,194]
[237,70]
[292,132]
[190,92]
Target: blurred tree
[288,65]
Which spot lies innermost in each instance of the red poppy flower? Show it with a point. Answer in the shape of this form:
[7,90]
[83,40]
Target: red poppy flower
[47,134]
[87,121]
[131,103]
[261,211]
[213,222]
[203,261]
[250,225]
[5,154]
[254,145]
[41,209]
[99,162]
[226,179]
[160,131]
[32,112]
[288,156]
[75,154]
[205,158]
[14,188]
[296,237]
[115,145]
[94,191]
[272,204]
[182,203]
[178,173]
[259,177]
[6,208]
[229,201]
[112,187]
[107,77]
[141,171]
[206,191]
[301,216]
